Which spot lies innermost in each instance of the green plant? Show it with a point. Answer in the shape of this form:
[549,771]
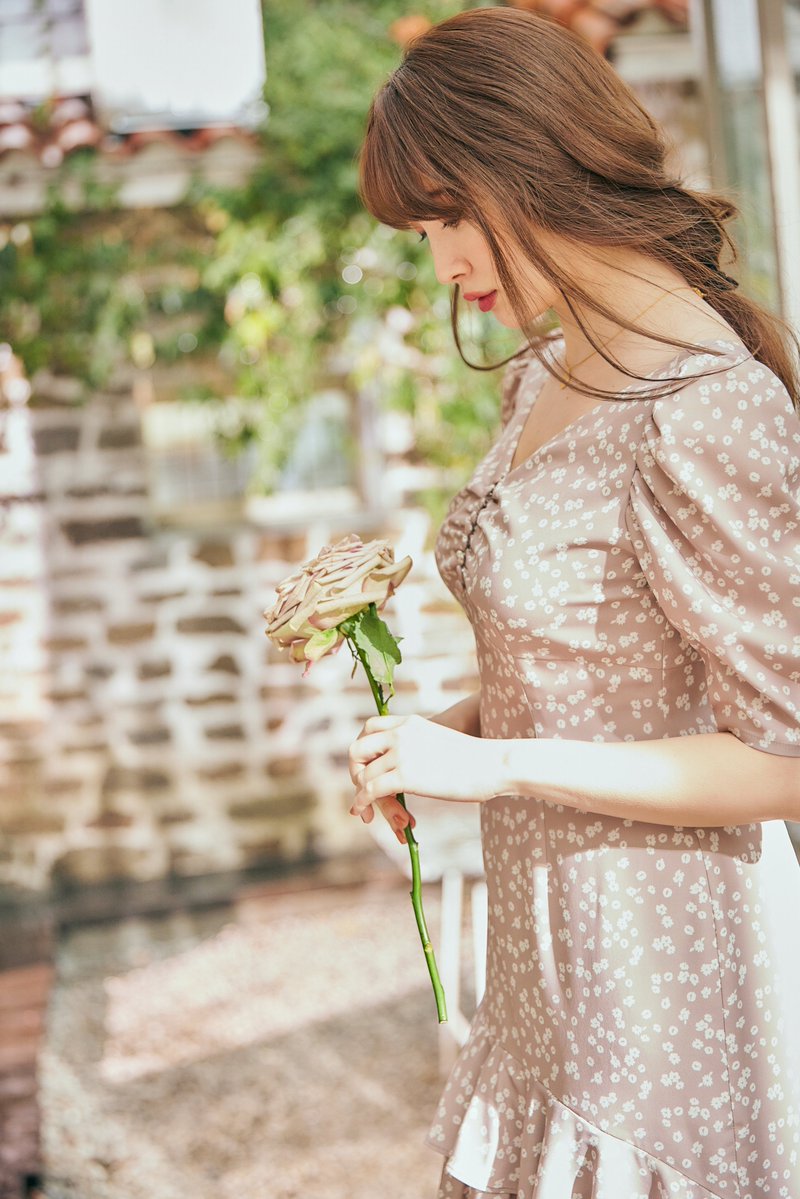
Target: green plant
[270,292]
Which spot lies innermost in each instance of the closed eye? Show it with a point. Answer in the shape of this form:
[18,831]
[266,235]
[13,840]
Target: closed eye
[445,225]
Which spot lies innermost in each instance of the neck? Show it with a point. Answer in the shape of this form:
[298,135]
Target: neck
[641,290]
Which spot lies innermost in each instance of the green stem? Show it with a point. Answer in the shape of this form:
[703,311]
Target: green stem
[413,849]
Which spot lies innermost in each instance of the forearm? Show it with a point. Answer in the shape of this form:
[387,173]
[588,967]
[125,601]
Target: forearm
[710,779]
[464,716]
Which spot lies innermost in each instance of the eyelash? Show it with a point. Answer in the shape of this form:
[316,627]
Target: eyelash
[445,225]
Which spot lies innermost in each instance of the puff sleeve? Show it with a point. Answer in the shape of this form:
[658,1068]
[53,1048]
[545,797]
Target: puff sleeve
[714,519]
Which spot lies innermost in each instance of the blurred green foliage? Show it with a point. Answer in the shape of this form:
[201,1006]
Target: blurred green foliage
[252,279]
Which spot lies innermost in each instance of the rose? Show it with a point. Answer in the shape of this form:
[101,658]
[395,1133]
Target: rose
[342,580]
[337,597]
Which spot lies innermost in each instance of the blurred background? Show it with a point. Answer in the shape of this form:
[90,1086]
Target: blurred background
[213,362]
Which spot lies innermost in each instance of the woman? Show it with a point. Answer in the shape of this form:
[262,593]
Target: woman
[627,554]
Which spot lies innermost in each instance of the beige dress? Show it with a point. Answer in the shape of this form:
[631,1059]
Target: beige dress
[636,577]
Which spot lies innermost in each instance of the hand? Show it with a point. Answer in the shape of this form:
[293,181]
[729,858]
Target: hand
[389,806]
[411,754]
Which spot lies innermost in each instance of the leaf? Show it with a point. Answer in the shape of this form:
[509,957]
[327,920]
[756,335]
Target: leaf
[320,642]
[374,639]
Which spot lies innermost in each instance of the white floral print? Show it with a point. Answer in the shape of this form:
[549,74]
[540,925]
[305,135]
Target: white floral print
[634,578]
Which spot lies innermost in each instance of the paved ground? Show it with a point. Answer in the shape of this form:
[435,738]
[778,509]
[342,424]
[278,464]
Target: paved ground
[282,1046]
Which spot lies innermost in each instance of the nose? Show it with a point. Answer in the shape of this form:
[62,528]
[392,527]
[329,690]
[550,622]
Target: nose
[448,267]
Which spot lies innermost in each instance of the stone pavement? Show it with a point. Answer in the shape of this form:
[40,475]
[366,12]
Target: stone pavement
[282,1044]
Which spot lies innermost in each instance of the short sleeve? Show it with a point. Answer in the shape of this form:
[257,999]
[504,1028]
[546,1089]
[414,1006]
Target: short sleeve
[714,519]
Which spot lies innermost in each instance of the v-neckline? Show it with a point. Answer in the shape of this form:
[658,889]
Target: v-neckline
[527,409]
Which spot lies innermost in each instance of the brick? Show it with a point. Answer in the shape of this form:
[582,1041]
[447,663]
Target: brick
[129,634]
[22,1052]
[154,736]
[83,532]
[122,778]
[111,819]
[98,670]
[225,732]
[86,492]
[277,547]
[408,685]
[209,624]
[463,682]
[97,491]
[102,863]
[83,603]
[63,645]
[155,670]
[214,553]
[55,788]
[17,1086]
[56,440]
[55,390]
[22,984]
[226,663]
[155,560]
[22,1021]
[177,816]
[161,597]
[119,437]
[216,697]
[281,768]
[438,607]
[269,808]
[30,822]
[66,696]
[262,852]
[225,770]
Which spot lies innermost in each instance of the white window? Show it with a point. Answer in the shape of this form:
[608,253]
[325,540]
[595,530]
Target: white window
[181,64]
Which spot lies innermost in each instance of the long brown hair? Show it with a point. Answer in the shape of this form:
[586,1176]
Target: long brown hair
[512,122]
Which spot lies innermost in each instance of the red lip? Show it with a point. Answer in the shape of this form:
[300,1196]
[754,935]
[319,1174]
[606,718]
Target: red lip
[486,301]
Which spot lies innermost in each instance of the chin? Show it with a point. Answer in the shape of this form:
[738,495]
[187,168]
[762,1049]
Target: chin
[504,316]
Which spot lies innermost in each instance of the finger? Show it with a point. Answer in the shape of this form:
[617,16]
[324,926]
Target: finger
[370,746]
[376,767]
[394,812]
[375,723]
[396,817]
[376,788]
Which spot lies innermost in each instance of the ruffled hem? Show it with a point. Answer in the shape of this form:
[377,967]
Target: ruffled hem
[505,1136]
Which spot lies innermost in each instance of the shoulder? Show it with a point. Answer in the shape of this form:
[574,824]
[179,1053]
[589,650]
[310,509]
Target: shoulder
[731,406]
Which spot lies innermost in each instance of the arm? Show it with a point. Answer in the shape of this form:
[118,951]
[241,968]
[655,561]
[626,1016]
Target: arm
[464,716]
[709,779]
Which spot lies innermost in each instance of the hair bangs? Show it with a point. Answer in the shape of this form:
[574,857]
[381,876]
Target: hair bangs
[398,183]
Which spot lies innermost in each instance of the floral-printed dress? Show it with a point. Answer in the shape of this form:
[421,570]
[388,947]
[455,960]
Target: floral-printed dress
[636,577]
